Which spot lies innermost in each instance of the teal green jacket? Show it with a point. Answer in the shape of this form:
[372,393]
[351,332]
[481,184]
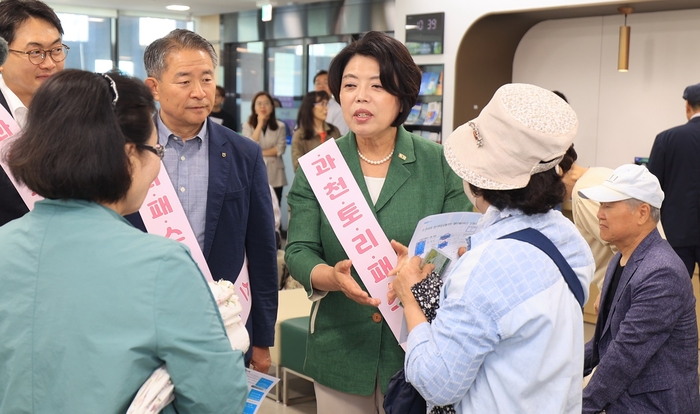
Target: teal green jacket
[90,307]
[346,349]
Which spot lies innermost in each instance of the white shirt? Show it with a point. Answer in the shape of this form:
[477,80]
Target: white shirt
[374,186]
[17,109]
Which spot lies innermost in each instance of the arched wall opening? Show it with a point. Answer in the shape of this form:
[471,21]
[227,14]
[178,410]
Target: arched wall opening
[485,56]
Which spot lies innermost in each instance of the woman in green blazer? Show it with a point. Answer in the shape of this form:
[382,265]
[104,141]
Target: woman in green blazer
[351,352]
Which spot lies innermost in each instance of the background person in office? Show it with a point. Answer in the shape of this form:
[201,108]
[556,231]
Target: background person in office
[264,128]
[585,211]
[351,352]
[218,114]
[27,26]
[313,130]
[644,349]
[91,306]
[220,178]
[505,300]
[335,113]
[674,160]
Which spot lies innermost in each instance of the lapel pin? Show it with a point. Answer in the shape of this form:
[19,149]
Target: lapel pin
[223,155]
[403,157]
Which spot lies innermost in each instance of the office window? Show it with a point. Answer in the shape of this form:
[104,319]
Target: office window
[89,39]
[135,33]
[320,56]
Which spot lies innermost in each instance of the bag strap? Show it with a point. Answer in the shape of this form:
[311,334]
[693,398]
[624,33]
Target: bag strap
[542,242]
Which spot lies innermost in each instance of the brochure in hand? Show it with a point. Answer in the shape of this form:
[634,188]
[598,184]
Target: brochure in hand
[444,233]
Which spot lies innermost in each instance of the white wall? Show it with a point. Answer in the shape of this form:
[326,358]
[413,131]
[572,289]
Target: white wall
[619,113]
[459,16]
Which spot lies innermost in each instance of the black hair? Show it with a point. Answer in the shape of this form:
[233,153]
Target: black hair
[320,72]
[398,73]
[569,159]
[13,13]
[561,95]
[73,144]
[544,191]
[253,118]
[305,116]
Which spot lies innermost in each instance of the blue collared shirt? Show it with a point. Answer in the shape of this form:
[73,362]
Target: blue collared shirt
[187,164]
[508,337]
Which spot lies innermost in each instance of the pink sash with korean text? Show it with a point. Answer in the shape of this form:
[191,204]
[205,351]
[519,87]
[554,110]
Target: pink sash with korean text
[355,226]
[162,214]
[9,131]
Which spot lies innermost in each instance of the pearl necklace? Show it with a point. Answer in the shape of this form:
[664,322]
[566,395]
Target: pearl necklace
[382,161]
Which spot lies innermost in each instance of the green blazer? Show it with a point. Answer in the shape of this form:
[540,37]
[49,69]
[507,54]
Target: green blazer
[348,349]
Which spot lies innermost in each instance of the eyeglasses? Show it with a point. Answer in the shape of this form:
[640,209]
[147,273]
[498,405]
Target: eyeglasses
[157,149]
[321,103]
[262,104]
[37,56]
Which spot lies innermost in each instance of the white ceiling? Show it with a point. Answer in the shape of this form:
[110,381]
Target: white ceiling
[197,7]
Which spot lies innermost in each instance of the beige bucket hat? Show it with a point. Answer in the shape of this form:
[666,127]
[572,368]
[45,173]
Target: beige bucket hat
[522,131]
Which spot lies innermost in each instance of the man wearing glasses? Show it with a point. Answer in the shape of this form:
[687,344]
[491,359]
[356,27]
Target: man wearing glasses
[33,33]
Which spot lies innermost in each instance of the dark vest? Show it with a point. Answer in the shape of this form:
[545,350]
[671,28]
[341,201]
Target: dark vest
[11,204]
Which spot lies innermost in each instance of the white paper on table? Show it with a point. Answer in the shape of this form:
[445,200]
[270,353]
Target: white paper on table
[259,385]
[446,232]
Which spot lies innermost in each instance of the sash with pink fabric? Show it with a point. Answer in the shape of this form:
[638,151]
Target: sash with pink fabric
[9,131]
[162,212]
[355,226]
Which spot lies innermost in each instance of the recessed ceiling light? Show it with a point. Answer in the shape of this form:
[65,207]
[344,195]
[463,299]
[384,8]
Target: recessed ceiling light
[177,7]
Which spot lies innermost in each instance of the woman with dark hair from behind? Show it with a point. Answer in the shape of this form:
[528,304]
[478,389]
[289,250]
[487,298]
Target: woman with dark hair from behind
[93,305]
[313,130]
[264,128]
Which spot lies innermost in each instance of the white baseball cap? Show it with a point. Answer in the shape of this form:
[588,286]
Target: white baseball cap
[627,181]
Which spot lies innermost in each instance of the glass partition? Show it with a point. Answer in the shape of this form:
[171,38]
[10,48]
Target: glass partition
[135,33]
[250,76]
[90,41]
[320,56]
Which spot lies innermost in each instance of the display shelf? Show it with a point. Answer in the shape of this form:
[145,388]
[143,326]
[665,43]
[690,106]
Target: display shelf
[425,118]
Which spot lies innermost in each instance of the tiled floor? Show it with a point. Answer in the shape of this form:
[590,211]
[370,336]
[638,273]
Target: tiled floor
[272,407]
[298,387]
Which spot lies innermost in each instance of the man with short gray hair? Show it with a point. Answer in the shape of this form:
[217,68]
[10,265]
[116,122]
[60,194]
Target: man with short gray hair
[220,178]
[645,343]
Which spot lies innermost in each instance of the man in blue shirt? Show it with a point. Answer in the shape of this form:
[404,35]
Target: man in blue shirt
[220,178]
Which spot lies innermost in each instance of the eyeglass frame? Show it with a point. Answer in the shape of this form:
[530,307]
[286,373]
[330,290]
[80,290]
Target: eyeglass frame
[44,53]
[157,149]
[322,103]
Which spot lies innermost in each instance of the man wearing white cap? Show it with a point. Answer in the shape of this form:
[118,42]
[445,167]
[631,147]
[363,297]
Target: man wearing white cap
[645,343]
